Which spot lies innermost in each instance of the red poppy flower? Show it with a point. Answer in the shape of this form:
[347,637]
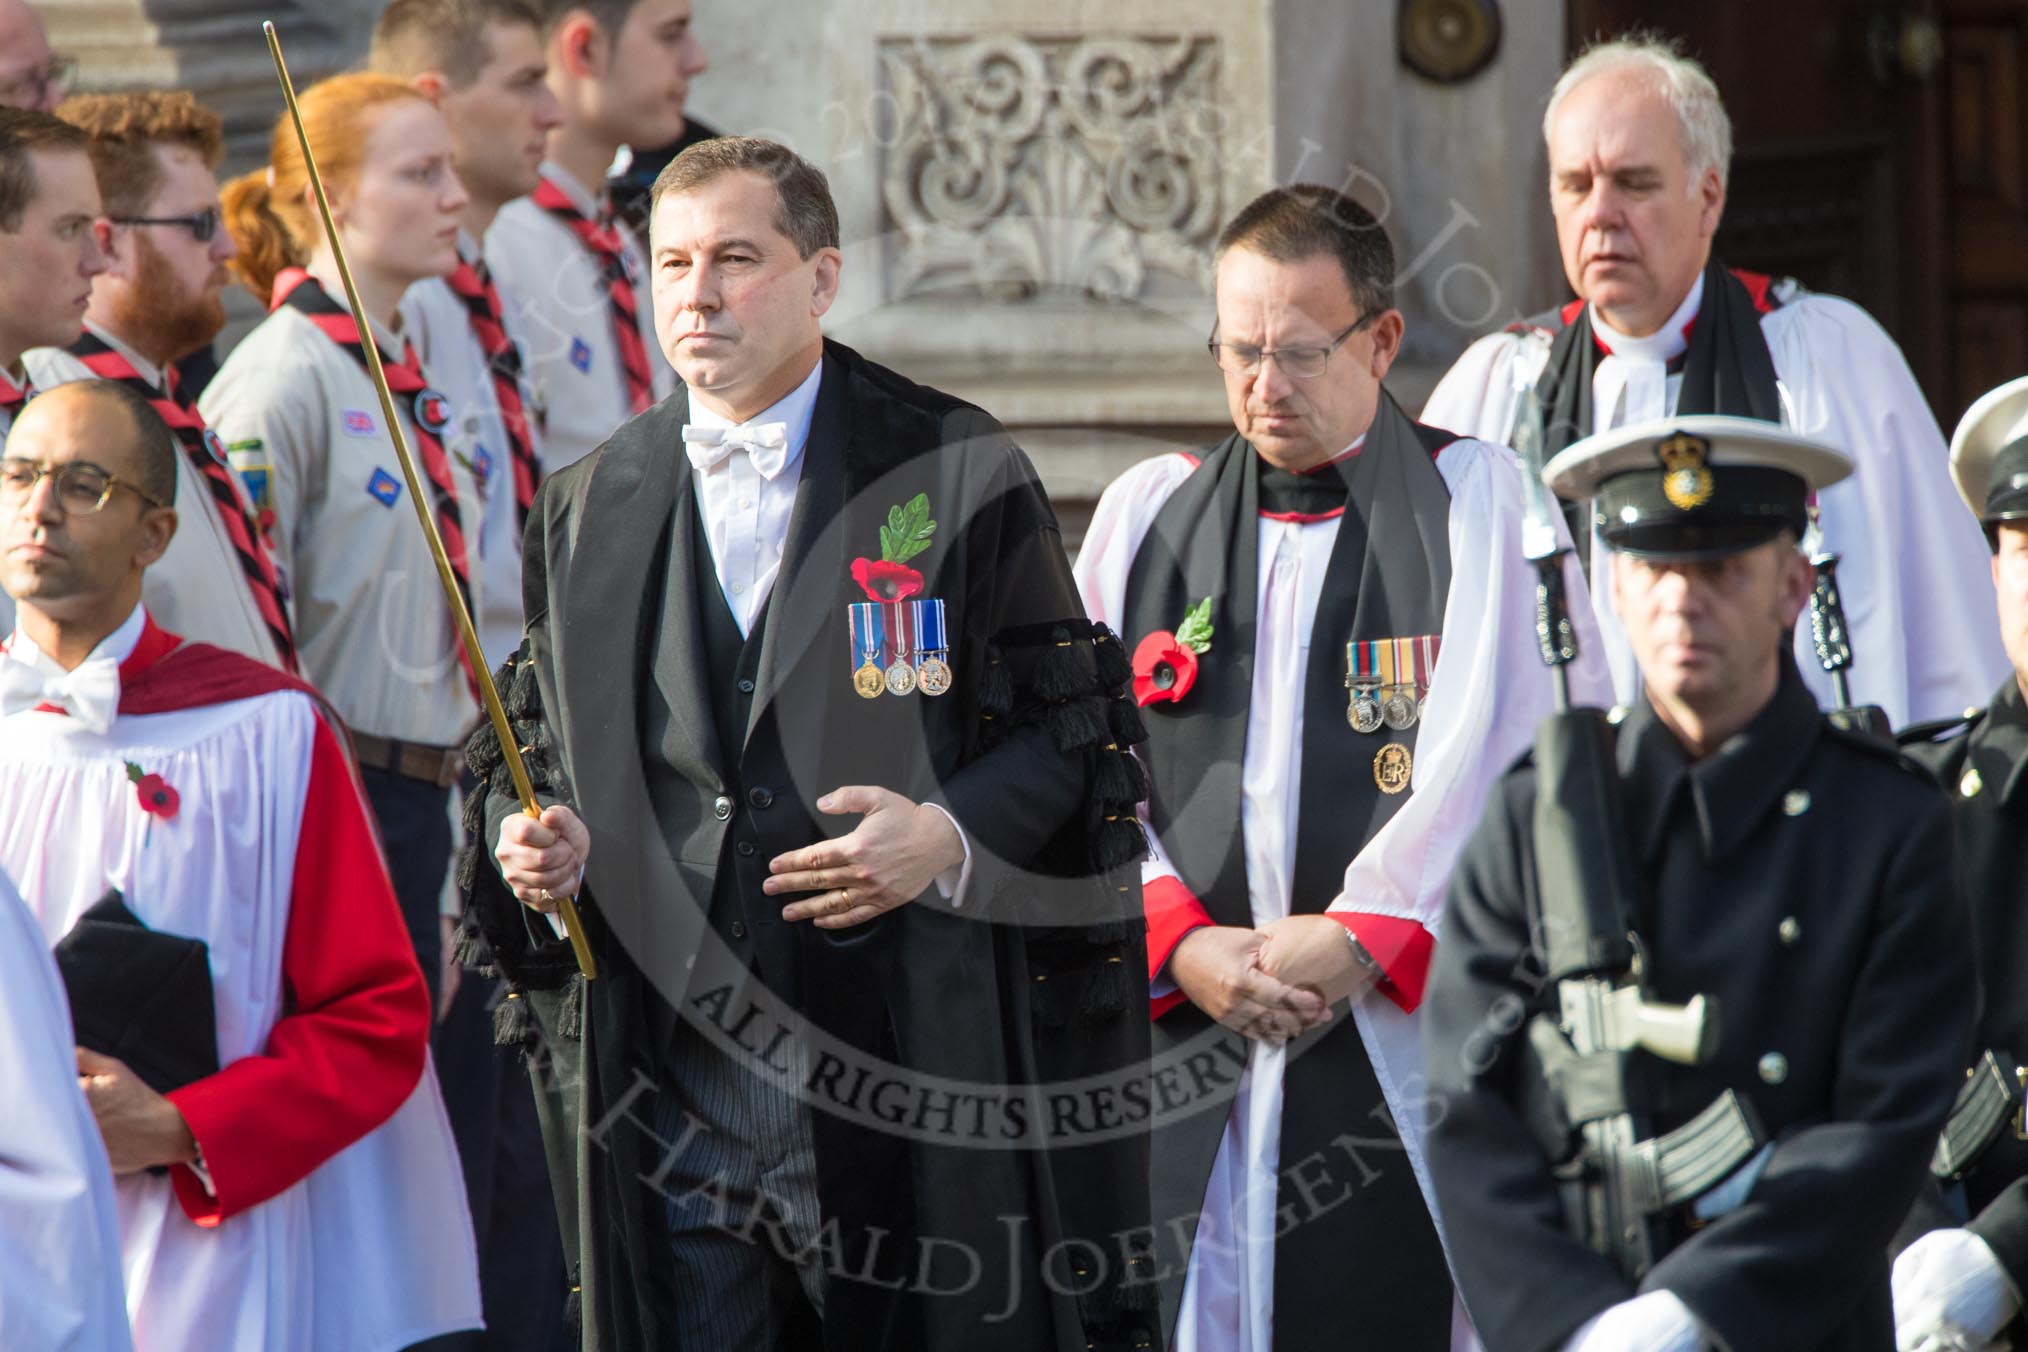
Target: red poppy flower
[884,581]
[156,797]
[1164,669]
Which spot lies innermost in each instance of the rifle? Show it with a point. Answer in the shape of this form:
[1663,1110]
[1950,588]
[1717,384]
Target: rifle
[1834,653]
[1586,1099]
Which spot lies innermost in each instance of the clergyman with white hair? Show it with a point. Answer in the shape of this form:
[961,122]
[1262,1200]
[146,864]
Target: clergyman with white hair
[1639,147]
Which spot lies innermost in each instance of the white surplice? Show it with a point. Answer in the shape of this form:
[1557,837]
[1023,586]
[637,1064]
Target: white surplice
[373,1250]
[1913,572]
[59,1238]
[1487,696]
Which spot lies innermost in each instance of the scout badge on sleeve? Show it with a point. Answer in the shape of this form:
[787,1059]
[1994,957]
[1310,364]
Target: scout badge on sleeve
[899,643]
[1389,680]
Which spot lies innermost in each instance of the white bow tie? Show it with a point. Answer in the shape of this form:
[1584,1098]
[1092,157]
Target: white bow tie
[90,695]
[765,444]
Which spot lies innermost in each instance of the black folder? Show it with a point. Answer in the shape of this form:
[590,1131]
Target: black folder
[141,995]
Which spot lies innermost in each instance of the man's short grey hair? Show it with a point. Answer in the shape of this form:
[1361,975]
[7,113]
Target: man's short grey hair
[1702,125]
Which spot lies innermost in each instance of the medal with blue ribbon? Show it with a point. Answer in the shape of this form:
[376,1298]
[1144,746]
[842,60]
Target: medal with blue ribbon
[933,671]
[869,639]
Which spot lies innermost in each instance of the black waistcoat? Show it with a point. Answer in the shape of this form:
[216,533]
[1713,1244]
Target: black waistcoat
[746,920]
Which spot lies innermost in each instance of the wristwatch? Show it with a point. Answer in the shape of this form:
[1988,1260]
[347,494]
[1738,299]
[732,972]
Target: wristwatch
[1368,968]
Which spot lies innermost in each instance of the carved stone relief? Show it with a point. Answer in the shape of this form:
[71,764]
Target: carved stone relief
[1031,167]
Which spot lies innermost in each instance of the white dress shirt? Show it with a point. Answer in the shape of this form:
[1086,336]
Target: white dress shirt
[745,513]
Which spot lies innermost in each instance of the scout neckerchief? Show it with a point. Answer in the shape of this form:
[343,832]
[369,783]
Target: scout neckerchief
[206,456]
[13,396]
[429,411]
[602,238]
[1726,369]
[473,284]
[1387,580]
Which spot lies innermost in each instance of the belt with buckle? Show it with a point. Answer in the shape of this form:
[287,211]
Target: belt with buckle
[438,765]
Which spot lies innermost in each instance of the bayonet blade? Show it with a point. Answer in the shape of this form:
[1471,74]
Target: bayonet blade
[1538,527]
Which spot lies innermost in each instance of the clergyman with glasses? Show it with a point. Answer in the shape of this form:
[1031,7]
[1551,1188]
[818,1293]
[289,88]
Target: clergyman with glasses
[32,74]
[1334,651]
[155,156]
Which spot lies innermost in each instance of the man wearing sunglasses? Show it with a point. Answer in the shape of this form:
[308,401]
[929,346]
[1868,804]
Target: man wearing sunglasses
[155,156]
[49,251]
[1334,649]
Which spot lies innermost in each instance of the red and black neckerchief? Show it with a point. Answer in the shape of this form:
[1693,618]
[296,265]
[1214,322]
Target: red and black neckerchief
[602,237]
[13,396]
[428,410]
[205,454]
[473,284]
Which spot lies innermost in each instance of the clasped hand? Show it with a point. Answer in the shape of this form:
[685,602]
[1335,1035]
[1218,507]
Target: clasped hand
[1270,984]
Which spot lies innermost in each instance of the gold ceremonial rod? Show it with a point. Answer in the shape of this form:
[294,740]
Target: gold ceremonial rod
[488,694]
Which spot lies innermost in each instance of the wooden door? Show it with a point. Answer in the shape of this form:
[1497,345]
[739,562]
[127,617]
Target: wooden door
[1985,89]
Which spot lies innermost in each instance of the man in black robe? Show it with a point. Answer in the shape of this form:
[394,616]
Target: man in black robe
[1965,1277]
[862,1064]
[1334,645]
[1797,874]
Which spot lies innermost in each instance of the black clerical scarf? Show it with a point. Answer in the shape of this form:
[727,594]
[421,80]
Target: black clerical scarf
[1727,369]
[1388,577]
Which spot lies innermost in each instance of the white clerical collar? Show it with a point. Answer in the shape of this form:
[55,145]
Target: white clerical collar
[589,204]
[148,370]
[1664,344]
[795,410]
[118,645]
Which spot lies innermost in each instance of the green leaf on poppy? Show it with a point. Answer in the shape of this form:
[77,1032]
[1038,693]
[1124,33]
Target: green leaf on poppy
[1195,631]
[908,530]
[135,773]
